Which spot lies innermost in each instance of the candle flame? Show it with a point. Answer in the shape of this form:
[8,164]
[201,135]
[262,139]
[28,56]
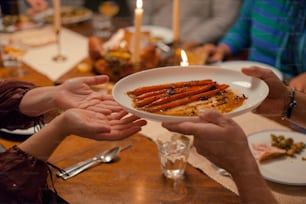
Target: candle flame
[184,56]
[139,4]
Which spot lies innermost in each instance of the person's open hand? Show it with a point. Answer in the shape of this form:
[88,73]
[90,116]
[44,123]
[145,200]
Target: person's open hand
[77,93]
[214,53]
[95,125]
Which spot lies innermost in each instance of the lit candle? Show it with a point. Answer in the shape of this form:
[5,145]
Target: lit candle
[57,15]
[184,62]
[176,20]
[137,31]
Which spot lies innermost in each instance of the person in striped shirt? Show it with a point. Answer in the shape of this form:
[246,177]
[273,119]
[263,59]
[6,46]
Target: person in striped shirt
[274,33]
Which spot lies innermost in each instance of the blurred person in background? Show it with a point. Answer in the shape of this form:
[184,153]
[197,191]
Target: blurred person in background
[274,33]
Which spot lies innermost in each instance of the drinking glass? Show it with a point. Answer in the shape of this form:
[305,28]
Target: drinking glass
[173,154]
[15,52]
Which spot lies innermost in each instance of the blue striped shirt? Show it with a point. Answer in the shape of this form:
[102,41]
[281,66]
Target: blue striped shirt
[274,31]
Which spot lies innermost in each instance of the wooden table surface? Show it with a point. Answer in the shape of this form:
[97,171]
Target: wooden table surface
[135,177]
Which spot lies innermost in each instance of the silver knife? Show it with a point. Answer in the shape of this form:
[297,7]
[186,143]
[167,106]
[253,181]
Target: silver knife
[83,165]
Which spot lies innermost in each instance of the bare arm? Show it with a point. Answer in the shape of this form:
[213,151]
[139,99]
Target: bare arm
[251,186]
[223,142]
[84,123]
[73,93]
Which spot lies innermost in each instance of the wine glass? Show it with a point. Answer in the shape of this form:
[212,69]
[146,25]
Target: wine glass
[103,23]
[15,51]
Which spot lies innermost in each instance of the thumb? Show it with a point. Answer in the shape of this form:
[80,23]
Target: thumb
[211,116]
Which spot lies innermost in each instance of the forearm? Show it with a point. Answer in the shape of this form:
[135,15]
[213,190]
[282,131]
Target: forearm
[42,144]
[237,37]
[251,186]
[38,101]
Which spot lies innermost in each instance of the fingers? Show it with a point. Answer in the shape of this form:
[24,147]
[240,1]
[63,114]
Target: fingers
[212,116]
[299,83]
[95,80]
[186,128]
[211,120]
[122,127]
[90,81]
[212,53]
[97,103]
[258,72]
[119,118]
[216,56]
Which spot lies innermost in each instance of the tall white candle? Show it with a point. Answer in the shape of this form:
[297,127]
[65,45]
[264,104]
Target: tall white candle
[138,13]
[184,62]
[176,20]
[57,14]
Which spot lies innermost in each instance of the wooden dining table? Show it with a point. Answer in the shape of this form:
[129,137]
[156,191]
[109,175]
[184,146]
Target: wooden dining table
[134,177]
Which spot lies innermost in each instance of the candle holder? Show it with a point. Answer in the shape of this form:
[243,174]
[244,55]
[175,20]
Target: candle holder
[59,58]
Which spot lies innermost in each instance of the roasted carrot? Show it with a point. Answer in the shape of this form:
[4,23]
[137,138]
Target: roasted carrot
[182,95]
[186,100]
[150,93]
[170,94]
[145,89]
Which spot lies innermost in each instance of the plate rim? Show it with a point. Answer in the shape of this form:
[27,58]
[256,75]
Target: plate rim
[44,14]
[170,40]
[167,118]
[36,24]
[80,19]
[279,181]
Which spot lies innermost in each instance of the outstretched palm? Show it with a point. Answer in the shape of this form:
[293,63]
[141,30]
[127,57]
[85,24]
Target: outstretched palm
[77,93]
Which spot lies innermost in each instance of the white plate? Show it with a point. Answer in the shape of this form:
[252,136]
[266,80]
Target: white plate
[32,23]
[237,65]
[285,170]
[29,131]
[157,31]
[255,89]
[70,18]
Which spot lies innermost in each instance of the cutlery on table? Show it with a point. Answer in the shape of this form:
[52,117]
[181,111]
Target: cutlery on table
[104,157]
[222,171]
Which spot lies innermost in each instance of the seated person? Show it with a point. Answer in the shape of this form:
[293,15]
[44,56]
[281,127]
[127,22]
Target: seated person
[202,21]
[275,38]
[86,113]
